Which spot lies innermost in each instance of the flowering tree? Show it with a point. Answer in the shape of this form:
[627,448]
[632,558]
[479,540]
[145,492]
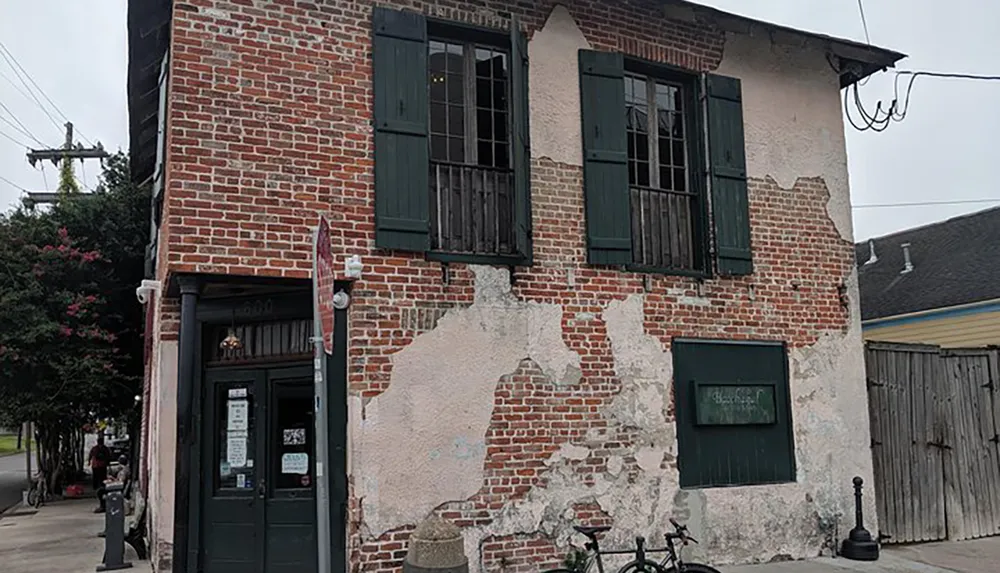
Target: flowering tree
[70,338]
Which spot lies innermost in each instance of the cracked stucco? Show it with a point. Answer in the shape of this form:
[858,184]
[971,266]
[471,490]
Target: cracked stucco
[554,88]
[421,443]
[792,116]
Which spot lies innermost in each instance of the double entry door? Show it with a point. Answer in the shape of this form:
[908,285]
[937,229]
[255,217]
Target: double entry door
[258,471]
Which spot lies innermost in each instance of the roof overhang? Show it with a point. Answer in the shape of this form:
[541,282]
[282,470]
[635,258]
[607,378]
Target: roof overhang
[853,60]
[148,42]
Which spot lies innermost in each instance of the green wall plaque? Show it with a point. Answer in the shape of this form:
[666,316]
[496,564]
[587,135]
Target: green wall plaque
[719,404]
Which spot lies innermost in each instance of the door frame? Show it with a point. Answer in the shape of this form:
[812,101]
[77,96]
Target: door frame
[253,309]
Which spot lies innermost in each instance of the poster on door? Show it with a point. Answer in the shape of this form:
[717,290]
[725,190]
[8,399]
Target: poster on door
[236,449]
[238,412]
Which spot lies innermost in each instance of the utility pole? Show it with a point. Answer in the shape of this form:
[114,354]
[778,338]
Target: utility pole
[27,448]
[69,151]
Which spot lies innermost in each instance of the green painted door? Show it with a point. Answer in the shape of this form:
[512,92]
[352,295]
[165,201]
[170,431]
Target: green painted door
[258,446]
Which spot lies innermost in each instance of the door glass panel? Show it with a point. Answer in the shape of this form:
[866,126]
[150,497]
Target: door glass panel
[235,440]
[292,452]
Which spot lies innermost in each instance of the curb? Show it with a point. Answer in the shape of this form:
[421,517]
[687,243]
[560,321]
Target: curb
[8,454]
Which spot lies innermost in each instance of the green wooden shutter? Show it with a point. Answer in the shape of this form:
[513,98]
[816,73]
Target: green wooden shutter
[727,165]
[520,140]
[605,158]
[402,194]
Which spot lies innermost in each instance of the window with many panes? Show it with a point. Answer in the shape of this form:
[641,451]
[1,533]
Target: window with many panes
[452,159]
[471,180]
[664,204]
[664,167]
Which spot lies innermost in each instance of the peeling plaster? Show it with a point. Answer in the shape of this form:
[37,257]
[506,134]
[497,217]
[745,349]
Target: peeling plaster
[793,119]
[421,443]
[554,88]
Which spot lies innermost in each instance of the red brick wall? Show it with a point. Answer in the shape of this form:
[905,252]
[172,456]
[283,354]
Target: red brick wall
[269,125]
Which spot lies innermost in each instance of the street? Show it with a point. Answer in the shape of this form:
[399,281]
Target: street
[12,480]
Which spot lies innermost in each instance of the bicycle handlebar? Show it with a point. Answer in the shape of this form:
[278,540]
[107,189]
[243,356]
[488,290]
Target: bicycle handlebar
[682,533]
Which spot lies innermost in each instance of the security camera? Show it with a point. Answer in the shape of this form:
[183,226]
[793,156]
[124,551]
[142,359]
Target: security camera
[142,293]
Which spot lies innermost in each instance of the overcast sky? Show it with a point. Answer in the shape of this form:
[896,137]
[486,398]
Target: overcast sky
[76,52]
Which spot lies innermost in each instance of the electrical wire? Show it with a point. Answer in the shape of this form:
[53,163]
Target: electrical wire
[45,179]
[21,143]
[12,61]
[880,120]
[20,129]
[864,21]
[924,203]
[30,94]
[12,184]
[24,129]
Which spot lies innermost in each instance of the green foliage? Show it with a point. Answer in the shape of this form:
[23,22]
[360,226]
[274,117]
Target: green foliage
[70,326]
[67,178]
[576,560]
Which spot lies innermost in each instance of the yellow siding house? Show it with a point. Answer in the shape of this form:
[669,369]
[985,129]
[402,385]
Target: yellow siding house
[937,284]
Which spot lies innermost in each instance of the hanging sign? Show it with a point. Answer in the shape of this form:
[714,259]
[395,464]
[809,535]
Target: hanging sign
[323,283]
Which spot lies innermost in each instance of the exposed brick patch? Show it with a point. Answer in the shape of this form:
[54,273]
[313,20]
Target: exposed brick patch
[269,125]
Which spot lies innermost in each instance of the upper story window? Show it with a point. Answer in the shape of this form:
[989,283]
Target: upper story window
[451,139]
[665,209]
[647,175]
[471,174]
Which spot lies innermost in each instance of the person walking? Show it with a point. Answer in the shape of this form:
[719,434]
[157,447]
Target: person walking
[100,457]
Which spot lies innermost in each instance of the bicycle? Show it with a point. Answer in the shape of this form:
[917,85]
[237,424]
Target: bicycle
[38,493]
[640,564]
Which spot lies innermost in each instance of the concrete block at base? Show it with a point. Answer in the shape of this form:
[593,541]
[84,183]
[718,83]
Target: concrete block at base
[436,546]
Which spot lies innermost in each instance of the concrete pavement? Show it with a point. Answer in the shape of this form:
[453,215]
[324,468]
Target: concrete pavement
[12,479]
[61,537]
[977,556]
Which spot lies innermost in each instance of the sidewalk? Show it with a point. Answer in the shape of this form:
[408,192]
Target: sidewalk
[977,556]
[61,537]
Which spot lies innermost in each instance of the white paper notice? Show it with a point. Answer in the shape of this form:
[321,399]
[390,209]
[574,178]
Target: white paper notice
[241,481]
[236,449]
[237,411]
[295,463]
[237,392]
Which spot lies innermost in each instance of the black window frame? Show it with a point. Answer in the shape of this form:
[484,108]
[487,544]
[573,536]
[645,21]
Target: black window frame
[697,166]
[453,32]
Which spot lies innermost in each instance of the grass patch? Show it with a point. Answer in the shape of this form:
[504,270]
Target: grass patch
[8,444]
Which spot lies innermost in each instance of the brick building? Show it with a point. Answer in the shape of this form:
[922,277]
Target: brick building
[608,277]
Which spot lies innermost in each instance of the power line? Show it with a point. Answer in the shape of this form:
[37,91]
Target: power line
[20,129]
[21,143]
[864,21]
[24,128]
[12,184]
[925,203]
[5,53]
[880,119]
[29,94]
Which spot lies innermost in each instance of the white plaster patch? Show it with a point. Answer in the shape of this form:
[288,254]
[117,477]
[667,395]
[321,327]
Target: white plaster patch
[554,86]
[422,441]
[792,116]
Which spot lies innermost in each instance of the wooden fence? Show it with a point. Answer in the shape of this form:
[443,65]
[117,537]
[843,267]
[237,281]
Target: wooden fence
[934,423]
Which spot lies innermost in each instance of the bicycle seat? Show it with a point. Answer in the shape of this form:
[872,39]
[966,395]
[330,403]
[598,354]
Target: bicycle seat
[592,531]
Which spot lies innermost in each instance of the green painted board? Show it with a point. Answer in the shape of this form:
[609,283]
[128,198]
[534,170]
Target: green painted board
[734,404]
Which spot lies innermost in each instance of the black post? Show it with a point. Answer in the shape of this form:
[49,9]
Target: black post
[114,530]
[859,544]
[190,289]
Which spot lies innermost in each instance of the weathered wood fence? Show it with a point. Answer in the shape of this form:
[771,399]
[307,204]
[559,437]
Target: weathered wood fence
[934,424]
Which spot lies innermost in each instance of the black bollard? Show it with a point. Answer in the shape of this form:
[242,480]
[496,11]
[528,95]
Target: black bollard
[114,530]
[859,544]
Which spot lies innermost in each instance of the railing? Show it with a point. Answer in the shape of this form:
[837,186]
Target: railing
[663,228]
[472,209]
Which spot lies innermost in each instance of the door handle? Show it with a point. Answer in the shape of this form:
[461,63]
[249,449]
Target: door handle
[261,489]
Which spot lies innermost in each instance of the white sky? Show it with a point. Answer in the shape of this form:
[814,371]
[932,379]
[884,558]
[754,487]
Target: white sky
[76,52]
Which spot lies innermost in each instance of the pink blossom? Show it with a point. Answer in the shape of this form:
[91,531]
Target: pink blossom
[65,330]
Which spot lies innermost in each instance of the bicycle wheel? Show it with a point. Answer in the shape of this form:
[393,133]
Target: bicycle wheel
[643,567]
[33,496]
[693,568]
[560,570]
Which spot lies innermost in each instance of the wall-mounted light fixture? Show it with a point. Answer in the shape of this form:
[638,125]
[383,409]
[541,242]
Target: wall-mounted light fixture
[353,267]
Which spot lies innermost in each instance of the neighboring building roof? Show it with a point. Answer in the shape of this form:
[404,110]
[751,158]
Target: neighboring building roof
[149,38]
[955,262]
